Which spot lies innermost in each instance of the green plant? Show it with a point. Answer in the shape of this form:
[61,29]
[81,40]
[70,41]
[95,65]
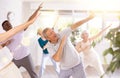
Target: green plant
[114,36]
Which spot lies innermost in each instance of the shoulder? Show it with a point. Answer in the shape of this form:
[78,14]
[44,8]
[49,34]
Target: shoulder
[66,31]
[39,39]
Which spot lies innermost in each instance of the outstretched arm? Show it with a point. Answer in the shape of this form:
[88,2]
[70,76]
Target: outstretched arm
[79,23]
[36,12]
[6,43]
[6,35]
[100,33]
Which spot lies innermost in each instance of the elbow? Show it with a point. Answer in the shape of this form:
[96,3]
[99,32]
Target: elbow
[57,59]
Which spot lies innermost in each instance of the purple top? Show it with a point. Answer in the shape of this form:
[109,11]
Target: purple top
[19,50]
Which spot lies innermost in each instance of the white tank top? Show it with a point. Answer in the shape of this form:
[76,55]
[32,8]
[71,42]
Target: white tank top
[5,57]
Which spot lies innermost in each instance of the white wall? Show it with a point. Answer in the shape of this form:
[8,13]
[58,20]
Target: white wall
[10,5]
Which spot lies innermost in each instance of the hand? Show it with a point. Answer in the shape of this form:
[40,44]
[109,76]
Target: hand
[1,47]
[40,6]
[92,14]
[8,42]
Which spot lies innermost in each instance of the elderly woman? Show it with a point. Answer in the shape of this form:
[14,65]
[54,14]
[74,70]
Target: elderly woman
[91,58]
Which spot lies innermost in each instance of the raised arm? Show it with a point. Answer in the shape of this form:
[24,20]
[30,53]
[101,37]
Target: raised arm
[36,12]
[100,33]
[79,23]
[4,36]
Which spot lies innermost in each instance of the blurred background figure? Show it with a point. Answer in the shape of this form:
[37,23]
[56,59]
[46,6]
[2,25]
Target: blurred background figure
[90,56]
[45,55]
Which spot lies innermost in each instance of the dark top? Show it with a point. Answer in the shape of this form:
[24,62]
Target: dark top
[42,43]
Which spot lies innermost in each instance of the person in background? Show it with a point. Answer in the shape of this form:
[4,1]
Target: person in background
[21,55]
[45,54]
[90,56]
[62,50]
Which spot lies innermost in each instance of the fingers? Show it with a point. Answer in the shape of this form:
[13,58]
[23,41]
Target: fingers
[40,6]
[92,14]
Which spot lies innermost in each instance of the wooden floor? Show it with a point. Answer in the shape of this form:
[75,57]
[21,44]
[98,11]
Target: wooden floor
[50,73]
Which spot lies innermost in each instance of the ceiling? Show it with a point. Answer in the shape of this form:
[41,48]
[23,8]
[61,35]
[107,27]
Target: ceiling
[106,5]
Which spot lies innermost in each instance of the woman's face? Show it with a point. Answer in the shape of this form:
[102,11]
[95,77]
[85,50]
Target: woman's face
[7,26]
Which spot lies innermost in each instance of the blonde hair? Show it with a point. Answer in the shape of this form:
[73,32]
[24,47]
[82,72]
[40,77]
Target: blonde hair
[44,32]
[39,30]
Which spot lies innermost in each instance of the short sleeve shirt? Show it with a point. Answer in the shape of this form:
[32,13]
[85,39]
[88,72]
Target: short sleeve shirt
[70,57]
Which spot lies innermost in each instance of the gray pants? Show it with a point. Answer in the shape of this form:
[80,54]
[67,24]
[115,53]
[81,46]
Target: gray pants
[26,62]
[75,72]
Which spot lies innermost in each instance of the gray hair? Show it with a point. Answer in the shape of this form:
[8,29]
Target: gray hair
[86,31]
[44,32]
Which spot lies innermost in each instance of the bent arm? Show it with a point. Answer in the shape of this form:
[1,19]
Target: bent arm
[57,56]
[78,47]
